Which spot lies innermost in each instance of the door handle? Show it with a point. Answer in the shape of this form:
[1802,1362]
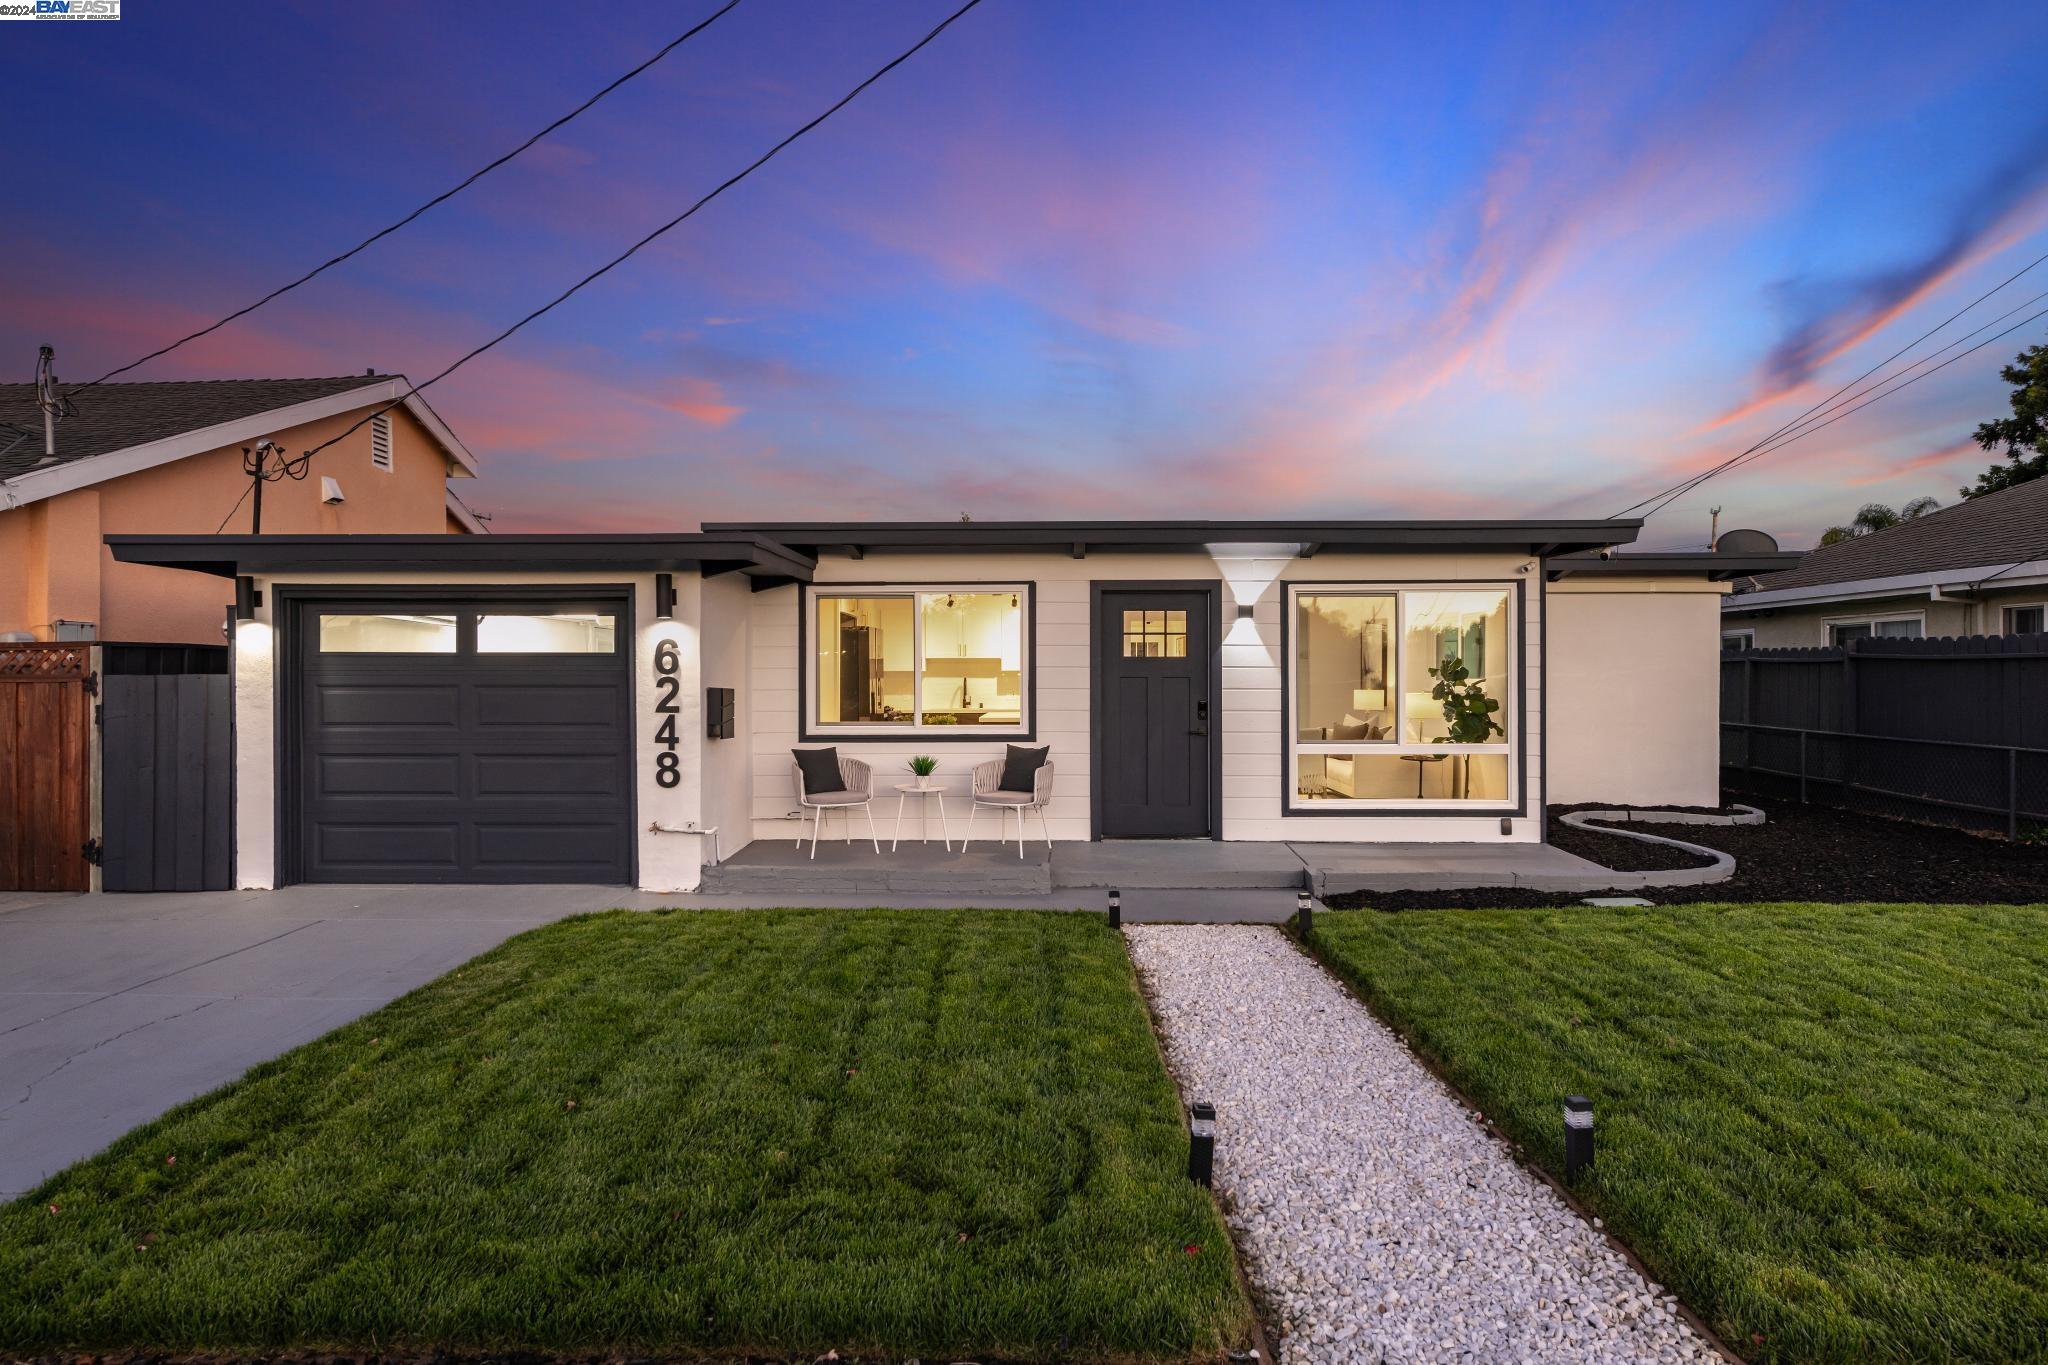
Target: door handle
[1201,725]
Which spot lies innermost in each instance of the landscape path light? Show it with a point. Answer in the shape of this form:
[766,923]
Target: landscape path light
[1578,1137]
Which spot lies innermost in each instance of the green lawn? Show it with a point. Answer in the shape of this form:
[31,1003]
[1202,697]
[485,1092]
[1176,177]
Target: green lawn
[945,1133]
[1825,1127]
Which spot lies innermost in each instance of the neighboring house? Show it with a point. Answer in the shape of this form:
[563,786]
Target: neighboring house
[167,458]
[621,708]
[1979,567]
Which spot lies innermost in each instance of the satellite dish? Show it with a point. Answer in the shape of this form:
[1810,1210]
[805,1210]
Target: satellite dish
[1745,543]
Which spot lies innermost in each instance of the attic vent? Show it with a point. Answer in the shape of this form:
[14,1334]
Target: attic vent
[380,441]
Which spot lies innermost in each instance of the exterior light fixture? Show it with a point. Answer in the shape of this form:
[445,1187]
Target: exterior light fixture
[247,599]
[1304,912]
[664,597]
[1116,908]
[1244,611]
[1201,1142]
[1578,1137]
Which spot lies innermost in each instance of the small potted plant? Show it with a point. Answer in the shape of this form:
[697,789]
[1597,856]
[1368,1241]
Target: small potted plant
[922,767]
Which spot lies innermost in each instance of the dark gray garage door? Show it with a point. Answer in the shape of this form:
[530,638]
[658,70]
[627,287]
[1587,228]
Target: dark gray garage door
[460,741]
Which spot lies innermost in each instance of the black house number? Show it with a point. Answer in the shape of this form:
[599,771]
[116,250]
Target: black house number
[667,765]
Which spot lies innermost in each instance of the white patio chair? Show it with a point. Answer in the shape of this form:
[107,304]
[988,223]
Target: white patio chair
[859,780]
[988,791]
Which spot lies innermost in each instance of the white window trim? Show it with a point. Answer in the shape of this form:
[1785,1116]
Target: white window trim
[1510,706]
[1748,637]
[820,731]
[2006,608]
[1828,623]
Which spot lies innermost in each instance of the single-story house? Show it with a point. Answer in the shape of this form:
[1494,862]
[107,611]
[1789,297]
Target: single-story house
[623,708]
[1977,567]
[168,457]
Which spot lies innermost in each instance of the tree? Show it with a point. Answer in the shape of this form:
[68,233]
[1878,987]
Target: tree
[1876,516]
[2025,430]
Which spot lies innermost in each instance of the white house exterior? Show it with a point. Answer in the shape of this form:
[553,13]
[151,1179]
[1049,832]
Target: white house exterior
[552,708]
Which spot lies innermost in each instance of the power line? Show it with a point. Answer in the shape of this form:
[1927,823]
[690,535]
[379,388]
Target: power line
[1666,497]
[671,224]
[437,199]
[1761,451]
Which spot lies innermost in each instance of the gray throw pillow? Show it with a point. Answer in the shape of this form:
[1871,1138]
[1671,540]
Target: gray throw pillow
[1021,766]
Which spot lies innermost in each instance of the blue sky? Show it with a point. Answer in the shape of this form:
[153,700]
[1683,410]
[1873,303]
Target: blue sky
[1140,259]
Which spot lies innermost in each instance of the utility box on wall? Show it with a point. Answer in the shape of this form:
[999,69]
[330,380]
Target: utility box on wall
[719,713]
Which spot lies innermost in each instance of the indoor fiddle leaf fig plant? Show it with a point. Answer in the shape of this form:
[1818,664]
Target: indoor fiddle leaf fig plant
[1468,711]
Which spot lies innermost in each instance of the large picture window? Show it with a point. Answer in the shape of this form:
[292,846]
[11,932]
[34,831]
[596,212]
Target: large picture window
[927,658]
[1401,696]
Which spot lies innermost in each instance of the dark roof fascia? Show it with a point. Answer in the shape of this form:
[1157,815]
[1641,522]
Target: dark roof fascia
[227,556]
[1717,568]
[1135,537]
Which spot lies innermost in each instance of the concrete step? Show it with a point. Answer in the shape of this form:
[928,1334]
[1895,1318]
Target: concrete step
[777,868]
[1177,864]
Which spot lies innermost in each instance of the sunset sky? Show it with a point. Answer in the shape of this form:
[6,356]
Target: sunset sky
[1104,259]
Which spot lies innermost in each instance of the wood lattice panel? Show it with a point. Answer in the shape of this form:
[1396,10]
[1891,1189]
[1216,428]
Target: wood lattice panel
[45,660]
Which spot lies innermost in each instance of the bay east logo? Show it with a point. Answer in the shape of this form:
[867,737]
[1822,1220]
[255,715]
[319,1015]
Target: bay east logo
[60,9]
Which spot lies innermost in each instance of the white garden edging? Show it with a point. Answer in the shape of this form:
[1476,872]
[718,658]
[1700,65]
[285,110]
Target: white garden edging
[1723,866]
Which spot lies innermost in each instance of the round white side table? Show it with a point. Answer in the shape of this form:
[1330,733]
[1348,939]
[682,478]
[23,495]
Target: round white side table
[906,790]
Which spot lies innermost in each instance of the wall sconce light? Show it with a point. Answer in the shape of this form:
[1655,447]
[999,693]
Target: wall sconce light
[1244,611]
[664,597]
[247,599]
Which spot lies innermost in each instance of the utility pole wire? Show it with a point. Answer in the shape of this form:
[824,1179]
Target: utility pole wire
[1686,485]
[1759,453]
[671,224]
[442,197]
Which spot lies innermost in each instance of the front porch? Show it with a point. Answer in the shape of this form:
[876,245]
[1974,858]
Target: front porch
[985,869]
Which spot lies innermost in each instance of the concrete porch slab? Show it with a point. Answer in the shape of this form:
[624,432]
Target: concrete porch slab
[777,868]
[1338,868]
[1167,864]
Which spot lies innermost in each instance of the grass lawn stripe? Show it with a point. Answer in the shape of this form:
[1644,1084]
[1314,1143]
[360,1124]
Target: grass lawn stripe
[782,1123]
[1824,1125]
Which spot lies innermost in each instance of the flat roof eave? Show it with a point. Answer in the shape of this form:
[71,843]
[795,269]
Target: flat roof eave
[1692,564]
[1542,537]
[227,556]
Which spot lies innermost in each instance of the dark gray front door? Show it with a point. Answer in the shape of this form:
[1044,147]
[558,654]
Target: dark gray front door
[1153,652]
[466,741]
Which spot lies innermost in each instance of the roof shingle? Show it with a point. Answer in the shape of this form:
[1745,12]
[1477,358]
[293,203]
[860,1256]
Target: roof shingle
[111,417]
[2006,527]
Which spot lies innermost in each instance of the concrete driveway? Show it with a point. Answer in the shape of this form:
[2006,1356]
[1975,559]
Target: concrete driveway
[115,1008]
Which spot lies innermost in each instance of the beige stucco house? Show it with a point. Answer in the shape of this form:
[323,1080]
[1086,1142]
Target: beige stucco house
[168,458]
[1978,567]
[624,708]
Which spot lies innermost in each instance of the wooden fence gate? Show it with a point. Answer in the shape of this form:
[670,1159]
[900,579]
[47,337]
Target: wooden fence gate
[164,780]
[45,766]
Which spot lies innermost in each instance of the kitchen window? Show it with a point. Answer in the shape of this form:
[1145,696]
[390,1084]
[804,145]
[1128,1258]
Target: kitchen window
[1401,696]
[940,660]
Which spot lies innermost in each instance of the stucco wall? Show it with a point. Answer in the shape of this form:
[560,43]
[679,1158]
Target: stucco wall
[1635,691]
[67,572]
[727,768]
[1250,732]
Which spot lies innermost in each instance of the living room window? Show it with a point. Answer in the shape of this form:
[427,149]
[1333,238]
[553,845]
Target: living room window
[1401,696]
[886,660]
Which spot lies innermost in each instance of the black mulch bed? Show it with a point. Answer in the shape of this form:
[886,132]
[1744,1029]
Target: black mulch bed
[1800,853]
[1633,855]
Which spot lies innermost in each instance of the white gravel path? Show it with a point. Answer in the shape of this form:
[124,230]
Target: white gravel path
[1379,1221]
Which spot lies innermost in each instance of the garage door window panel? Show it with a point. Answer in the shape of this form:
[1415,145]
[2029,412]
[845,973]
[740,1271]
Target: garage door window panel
[388,633]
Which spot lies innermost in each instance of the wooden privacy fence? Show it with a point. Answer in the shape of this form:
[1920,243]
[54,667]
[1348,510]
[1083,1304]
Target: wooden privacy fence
[166,758]
[1951,730]
[45,766]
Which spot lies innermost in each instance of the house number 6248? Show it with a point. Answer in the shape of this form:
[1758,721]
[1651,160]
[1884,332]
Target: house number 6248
[667,765]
